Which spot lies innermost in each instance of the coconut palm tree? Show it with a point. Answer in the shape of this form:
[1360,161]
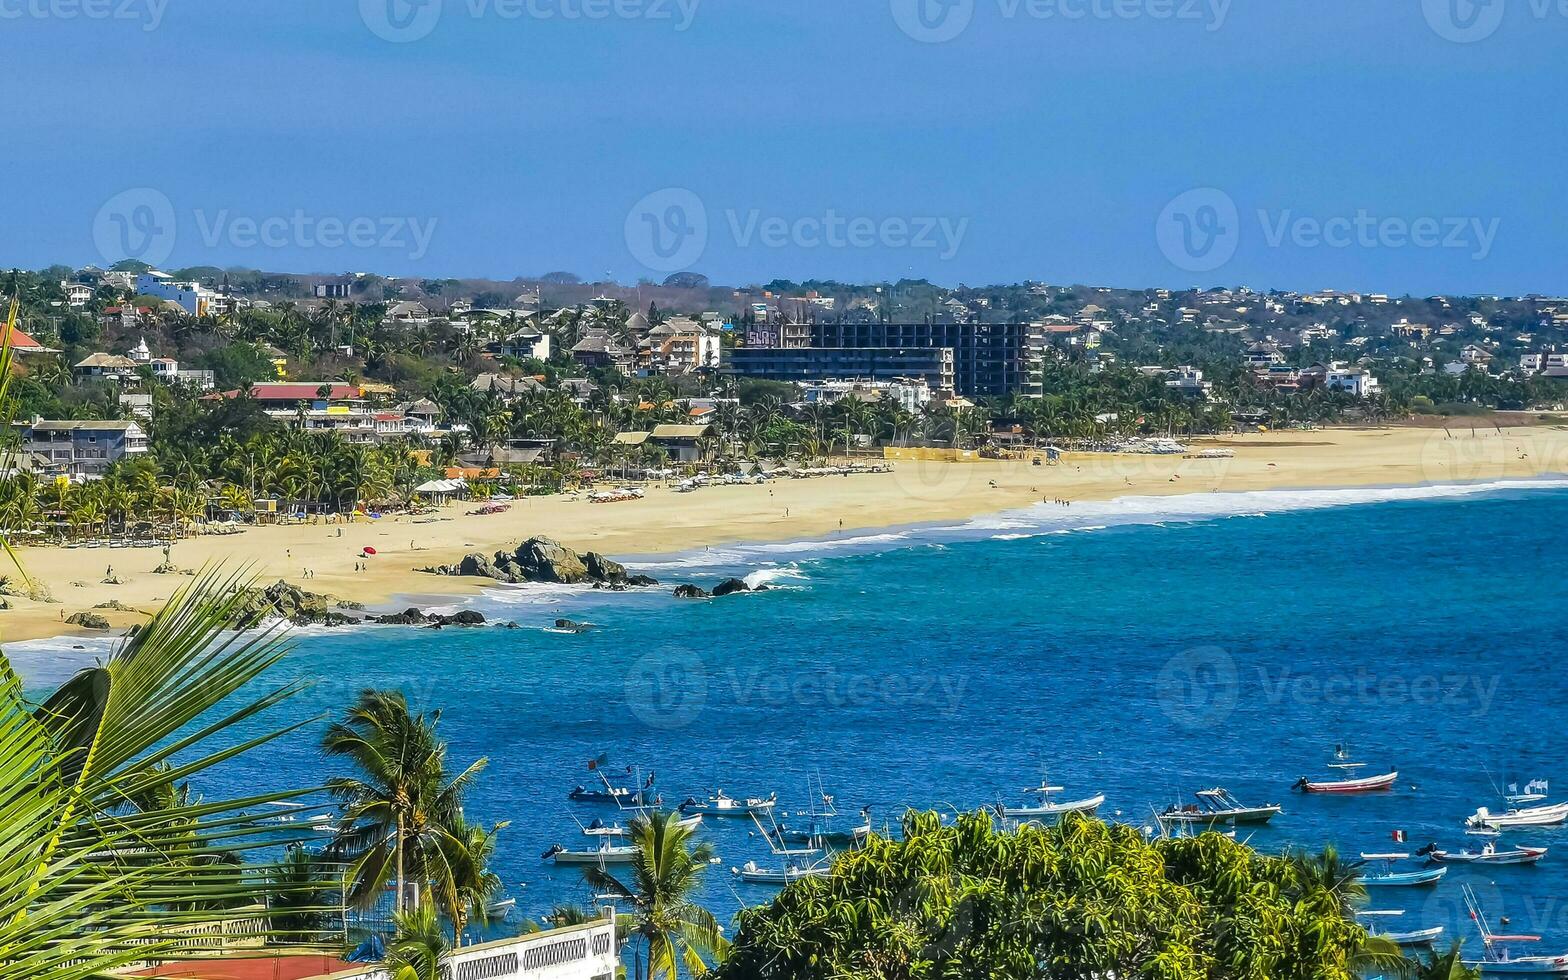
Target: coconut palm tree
[402,803]
[89,772]
[1445,966]
[418,946]
[464,884]
[672,930]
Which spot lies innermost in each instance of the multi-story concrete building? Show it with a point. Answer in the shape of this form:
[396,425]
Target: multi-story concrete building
[933,365]
[988,358]
[82,449]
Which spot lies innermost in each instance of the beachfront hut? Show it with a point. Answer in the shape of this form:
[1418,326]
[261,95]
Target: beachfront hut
[441,491]
[683,443]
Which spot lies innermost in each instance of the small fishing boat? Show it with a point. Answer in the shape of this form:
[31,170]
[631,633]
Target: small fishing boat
[1217,807]
[500,909]
[1048,808]
[1412,937]
[1499,959]
[1389,878]
[754,874]
[720,805]
[1550,815]
[1349,781]
[296,817]
[623,797]
[1486,855]
[607,852]
[1534,792]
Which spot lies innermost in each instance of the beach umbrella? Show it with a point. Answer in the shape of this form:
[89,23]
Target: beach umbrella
[369,551]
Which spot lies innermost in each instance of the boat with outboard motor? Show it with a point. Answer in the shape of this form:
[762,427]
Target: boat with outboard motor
[1389,878]
[1217,808]
[1490,854]
[1349,783]
[720,805]
[1049,808]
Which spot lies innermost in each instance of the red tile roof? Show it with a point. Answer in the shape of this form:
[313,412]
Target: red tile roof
[21,341]
[257,968]
[298,391]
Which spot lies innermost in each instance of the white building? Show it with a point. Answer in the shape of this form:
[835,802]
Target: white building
[1188,381]
[910,394]
[77,294]
[1351,380]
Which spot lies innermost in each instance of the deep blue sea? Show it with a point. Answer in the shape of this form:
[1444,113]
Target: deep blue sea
[1145,648]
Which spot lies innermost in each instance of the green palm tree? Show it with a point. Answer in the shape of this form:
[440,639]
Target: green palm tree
[103,861]
[1444,966]
[418,945]
[464,884]
[402,803]
[674,932]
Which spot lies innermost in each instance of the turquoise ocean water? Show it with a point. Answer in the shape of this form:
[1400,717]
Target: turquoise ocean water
[1144,648]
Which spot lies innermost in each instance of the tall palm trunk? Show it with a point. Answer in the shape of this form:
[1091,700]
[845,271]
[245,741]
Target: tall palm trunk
[397,903]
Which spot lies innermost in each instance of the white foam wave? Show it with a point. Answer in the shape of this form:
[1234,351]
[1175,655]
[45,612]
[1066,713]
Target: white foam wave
[773,576]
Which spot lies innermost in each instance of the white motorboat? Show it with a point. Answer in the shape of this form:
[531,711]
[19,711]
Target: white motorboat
[752,873]
[720,805]
[608,852]
[1551,815]
[1048,808]
[1486,855]
[1412,937]
[1217,807]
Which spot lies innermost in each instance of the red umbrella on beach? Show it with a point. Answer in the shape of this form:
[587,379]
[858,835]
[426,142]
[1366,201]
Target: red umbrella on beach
[368,551]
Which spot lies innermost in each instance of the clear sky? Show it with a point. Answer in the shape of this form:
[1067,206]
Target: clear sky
[1385,145]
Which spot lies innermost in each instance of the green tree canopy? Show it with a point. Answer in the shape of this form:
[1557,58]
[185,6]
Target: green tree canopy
[1080,900]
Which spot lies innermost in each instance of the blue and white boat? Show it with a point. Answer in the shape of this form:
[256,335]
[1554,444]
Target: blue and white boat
[720,805]
[1388,877]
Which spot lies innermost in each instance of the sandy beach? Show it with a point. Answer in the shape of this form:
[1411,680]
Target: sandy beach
[323,557]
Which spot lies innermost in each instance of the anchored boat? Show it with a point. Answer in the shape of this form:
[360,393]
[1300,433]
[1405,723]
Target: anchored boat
[719,805]
[1217,807]
[1486,855]
[1048,808]
[1550,815]
[1499,959]
[1349,781]
[1389,878]
[1412,937]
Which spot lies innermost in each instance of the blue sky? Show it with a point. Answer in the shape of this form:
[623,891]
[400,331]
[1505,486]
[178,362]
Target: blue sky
[992,141]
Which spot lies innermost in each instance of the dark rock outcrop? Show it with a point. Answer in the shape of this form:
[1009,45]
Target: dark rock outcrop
[284,601]
[543,559]
[88,620]
[414,617]
[571,626]
[730,586]
[691,592]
